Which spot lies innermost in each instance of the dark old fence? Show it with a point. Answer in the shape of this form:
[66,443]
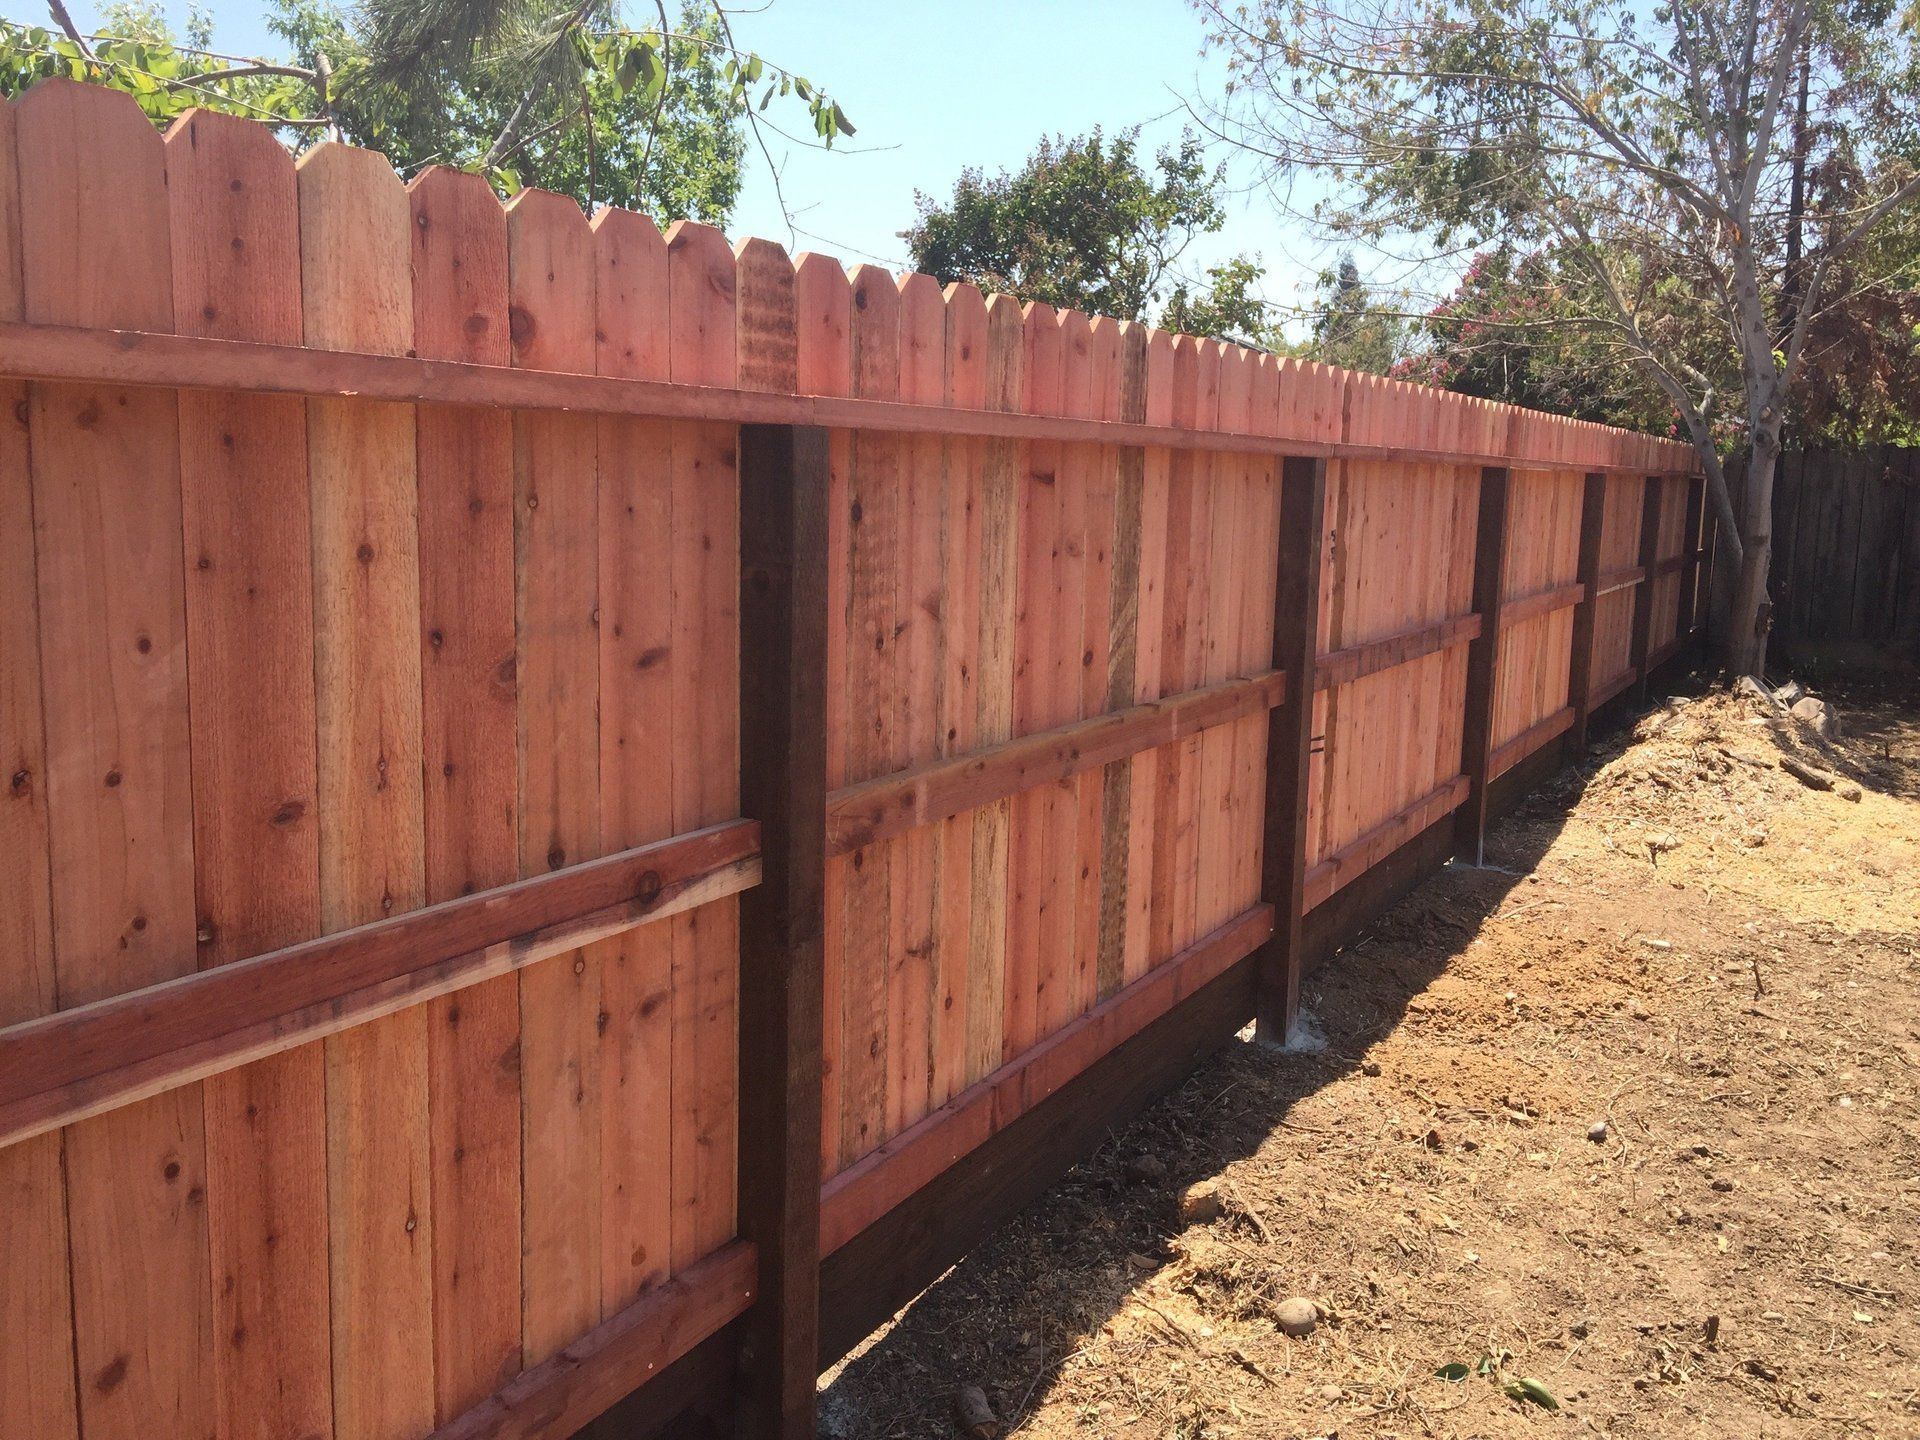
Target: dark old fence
[1846,536]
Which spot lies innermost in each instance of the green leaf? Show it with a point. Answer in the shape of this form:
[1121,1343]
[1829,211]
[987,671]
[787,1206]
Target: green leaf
[1456,1370]
[1533,1390]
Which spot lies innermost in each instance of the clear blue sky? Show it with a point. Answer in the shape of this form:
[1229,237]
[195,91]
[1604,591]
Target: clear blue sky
[936,87]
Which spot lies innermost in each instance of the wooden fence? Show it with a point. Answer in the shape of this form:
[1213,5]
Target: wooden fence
[588,807]
[1846,547]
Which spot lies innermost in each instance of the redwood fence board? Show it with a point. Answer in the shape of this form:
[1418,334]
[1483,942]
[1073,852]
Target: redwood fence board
[418,610]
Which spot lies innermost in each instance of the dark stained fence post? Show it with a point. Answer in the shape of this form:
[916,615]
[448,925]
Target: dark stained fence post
[1643,595]
[1483,663]
[1693,546]
[1296,615]
[1593,520]
[783,785]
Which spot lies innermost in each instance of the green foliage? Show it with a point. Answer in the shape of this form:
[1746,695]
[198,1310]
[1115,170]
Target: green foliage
[1084,225]
[528,91]
[1352,329]
[1512,332]
[1663,185]
[167,76]
[1227,309]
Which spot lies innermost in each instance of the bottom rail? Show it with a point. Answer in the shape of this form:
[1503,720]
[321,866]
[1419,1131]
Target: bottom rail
[1541,732]
[1351,861]
[1606,690]
[555,1398]
[875,1184]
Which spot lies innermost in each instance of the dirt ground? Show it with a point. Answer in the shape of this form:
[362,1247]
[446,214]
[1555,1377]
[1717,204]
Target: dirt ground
[1681,941]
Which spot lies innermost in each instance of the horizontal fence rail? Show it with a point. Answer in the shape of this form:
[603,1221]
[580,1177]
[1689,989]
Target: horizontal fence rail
[166,361]
[589,808]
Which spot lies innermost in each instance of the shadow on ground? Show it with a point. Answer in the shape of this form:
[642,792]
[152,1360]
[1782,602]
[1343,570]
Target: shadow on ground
[1008,1315]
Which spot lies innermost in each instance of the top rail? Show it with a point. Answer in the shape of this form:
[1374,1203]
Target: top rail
[189,362]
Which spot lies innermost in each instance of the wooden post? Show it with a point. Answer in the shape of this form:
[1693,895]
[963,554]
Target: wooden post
[1593,519]
[1296,643]
[1693,547]
[783,785]
[1643,596]
[1483,663]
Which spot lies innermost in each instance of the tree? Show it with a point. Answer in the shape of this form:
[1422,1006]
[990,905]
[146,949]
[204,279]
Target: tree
[1509,332]
[1353,330]
[564,95]
[1225,309]
[1085,226]
[1651,148]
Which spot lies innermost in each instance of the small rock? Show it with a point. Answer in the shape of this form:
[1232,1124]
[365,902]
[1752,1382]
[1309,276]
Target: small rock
[1754,836]
[975,1415]
[1597,1132]
[1652,944]
[1847,790]
[1332,1394]
[1297,1316]
[1200,1203]
[1723,1185]
[1370,1067]
[1146,1170]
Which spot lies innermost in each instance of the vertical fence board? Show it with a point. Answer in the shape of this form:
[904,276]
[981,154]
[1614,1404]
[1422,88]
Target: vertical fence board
[1149,367]
[1033,925]
[1001,545]
[552,298]
[236,275]
[356,294]
[469,746]
[913,961]
[95,250]
[637,669]
[1060,608]
[958,607]
[1125,399]
[1097,360]
[706,738]
[824,366]
[36,1298]
[873,668]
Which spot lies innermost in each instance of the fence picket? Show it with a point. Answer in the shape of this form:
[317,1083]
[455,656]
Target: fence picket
[637,669]
[249,609]
[37,1395]
[357,294]
[701,278]
[470,745]
[551,291]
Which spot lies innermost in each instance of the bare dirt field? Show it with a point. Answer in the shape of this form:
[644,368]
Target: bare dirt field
[1634,1117]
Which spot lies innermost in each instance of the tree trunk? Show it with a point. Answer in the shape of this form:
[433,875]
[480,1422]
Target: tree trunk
[1743,645]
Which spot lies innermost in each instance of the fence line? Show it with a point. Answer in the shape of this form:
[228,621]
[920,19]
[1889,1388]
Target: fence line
[1846,547]
[573,786]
